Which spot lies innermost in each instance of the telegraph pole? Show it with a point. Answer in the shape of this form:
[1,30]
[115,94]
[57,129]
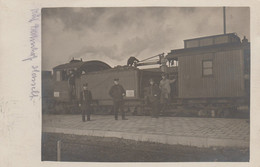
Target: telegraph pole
[224,19]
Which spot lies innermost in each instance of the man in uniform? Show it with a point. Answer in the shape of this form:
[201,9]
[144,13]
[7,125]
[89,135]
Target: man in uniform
[165,90]
[152,98]
[117,92]
[85,102]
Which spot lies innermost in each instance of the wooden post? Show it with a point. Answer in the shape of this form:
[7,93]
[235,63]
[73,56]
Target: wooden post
[59,150]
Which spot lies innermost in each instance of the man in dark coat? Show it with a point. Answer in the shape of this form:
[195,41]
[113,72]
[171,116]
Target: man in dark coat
[152,98]
[131,61]
[85,102]
[71,81]
[117,92]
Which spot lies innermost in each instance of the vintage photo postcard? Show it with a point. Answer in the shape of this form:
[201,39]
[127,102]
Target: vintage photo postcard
[133,83]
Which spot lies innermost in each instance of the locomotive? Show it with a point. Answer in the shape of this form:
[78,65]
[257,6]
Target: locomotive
[212,73]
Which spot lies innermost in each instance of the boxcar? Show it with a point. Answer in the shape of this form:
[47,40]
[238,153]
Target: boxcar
[214,69]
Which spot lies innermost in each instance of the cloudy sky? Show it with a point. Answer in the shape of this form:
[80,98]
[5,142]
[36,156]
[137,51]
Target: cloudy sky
[113,35]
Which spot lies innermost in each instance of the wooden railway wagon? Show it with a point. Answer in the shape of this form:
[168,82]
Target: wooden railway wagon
[133,80]
[64,101]
[213,73]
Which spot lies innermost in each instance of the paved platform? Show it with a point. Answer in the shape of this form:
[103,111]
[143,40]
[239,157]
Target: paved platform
[201,132]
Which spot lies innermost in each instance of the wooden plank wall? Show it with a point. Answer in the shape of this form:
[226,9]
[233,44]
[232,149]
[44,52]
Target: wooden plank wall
[227,79]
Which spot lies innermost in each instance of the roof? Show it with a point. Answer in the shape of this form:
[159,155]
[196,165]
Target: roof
[211,48]
[80,64]
[69,65]
[213,36]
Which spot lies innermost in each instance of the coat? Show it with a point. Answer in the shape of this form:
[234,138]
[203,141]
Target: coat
[166,87]
[117,92]
[152,93]
[85,98]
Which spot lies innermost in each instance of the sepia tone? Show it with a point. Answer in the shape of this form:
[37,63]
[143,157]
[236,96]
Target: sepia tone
[181,86]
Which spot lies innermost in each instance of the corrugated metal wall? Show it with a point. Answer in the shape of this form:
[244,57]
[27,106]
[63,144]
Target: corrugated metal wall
[227,79]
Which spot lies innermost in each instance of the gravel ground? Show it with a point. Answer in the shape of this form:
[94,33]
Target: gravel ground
[101,149]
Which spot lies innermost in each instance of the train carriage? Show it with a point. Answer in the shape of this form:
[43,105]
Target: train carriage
[214,70]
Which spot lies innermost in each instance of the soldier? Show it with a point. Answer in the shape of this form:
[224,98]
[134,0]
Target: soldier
[117,92]
[165,90]
[152,98]
[85,102]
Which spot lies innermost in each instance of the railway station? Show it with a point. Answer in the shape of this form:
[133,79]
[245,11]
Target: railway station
[163,107]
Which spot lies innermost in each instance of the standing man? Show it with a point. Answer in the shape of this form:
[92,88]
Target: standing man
[152,98]
[85,102]
[117,92]
[71,81]
[165,90]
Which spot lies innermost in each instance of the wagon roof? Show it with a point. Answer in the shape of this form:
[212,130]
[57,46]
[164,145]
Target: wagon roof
[213,36]
[79,64]
[211,48]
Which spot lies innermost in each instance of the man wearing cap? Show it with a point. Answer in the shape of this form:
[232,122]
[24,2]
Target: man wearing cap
[152,97]
[165,90]
[85,102]
[117,92]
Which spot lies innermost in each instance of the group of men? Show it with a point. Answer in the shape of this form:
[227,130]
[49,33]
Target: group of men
[154,96]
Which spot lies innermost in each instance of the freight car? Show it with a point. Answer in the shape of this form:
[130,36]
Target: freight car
[213,74]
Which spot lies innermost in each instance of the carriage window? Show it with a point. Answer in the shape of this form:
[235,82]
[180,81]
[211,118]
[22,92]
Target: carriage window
[58,76]
[207,68]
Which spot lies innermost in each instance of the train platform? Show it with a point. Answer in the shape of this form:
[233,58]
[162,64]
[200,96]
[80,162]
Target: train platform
[200,132]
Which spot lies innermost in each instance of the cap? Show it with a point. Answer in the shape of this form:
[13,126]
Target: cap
[116,79]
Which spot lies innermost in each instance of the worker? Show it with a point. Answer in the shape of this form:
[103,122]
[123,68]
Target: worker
[85,102]
[165,91]
[117,92]
[71,82]
[152,98]
[132,60]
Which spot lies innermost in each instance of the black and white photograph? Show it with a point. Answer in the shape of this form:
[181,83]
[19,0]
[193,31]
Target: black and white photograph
[145,84]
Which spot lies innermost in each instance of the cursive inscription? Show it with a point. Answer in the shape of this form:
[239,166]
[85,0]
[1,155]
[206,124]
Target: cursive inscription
[34,23]
[34,34]
[34,91]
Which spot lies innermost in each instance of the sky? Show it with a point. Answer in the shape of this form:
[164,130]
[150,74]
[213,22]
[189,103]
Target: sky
[112,35]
